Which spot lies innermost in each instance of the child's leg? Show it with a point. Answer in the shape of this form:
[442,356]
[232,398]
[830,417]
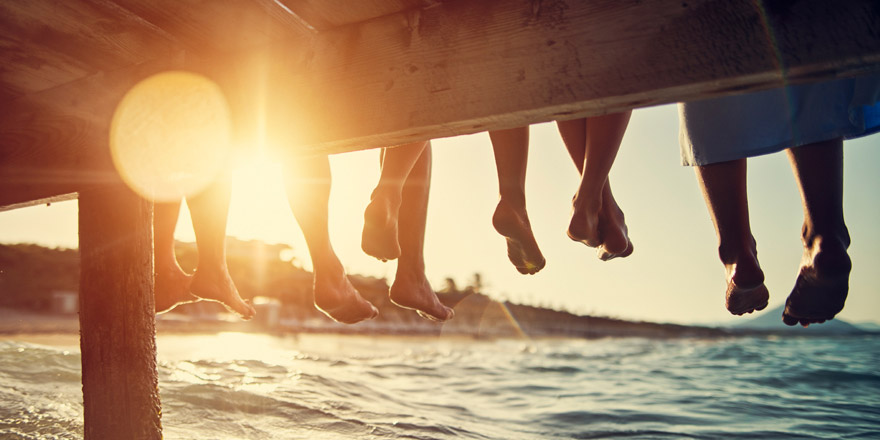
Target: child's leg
[307,180]
[724,189]
[379,237]
[172,283]
[597,220]
[823,282]
[411,288]
[511,148]
[211,280]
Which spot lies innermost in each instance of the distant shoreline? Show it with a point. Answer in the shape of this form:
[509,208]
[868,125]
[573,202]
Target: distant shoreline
[18,324]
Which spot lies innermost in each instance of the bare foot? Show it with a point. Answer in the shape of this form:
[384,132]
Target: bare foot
[746,292]
[340,301]
[612,229]
[822,284]
[584,224]
[172,287]
[522,249]
[412,291]
[379,238]
[217,286]
[742,300]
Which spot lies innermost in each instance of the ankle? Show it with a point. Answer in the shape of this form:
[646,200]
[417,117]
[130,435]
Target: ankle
[410,271]
[210,270]
[328,271]
[736,253]
[388,195]
[514,199]
[581,203]
[828,237]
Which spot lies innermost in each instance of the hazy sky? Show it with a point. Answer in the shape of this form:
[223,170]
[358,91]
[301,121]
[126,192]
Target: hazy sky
[673,276]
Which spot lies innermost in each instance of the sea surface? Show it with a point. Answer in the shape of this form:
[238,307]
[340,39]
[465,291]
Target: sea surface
[253,386]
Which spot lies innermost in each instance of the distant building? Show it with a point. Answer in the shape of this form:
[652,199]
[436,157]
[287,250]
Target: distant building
[268,311]
[64,302]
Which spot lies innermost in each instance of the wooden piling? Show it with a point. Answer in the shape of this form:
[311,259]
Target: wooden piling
[117,320]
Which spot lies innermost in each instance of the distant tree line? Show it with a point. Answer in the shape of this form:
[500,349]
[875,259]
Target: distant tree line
[30,274]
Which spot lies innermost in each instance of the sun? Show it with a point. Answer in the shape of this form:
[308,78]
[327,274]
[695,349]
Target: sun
[259,208]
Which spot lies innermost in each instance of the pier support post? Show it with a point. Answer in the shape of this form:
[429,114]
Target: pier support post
[117,318]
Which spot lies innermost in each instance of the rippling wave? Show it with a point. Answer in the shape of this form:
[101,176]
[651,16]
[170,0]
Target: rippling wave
[242,386]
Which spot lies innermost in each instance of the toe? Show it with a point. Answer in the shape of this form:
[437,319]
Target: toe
[606,255]
[440,317]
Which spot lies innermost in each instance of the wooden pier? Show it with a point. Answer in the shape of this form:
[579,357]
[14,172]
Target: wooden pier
[329,76]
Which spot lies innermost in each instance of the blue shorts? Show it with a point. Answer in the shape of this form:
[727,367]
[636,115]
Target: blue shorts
[734,127]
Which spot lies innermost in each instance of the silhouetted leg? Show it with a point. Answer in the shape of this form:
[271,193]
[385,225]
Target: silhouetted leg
[597,220]
[724,189]
[172,283]
[823,282]
[511,148]
[379,238]
[411,289]
[307,180]
[211,281]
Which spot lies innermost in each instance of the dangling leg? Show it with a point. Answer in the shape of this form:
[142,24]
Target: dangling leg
[307,180]
[597,220]
[172,283]
[724,189]
[211,280]
[511,148]
[823,283]
[379,238]
[411,289]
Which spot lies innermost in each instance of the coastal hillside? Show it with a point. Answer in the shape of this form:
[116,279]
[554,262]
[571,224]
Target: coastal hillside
[43,282]
[33,278]
[771,320]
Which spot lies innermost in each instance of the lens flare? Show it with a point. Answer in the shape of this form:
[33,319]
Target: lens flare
[170,135]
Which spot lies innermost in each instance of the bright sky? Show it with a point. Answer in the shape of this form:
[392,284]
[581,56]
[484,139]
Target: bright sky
[673,276]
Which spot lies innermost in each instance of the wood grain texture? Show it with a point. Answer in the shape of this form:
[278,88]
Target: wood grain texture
[465,67]
[215,26]
[116,311]
[46,43]
[37,202]
[327,14]
[454,68]
[57,142]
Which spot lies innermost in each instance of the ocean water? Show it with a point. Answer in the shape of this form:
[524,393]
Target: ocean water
[251,386]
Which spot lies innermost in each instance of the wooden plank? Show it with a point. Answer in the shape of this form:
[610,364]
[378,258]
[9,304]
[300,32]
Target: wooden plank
[460,67]
[287,18]
[55,142]
[116,311]
[46,43]
[465,67]
[37,202]
[217,26]
[323,15]
[31,68]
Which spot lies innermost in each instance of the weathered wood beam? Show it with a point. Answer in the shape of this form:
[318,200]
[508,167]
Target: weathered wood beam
[459,67]
[37,202]
[56,142]
[47,43]
[116,313]
[465,66]
[208,26]
[323,15]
